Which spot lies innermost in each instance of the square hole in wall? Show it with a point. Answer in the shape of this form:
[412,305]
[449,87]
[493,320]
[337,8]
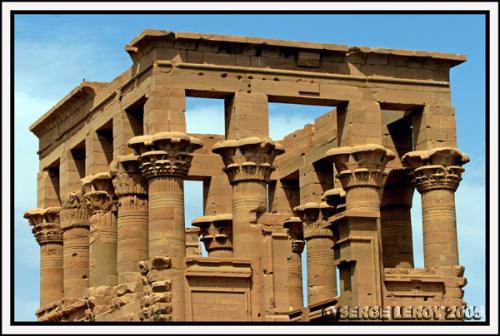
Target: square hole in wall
[204,115]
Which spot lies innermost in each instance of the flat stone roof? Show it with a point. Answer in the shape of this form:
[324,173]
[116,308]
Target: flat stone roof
[152,34]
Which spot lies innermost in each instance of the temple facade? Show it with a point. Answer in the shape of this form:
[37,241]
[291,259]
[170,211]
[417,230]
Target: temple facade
[114,245]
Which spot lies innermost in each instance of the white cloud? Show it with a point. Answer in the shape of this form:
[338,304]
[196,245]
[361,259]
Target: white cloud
[205,116]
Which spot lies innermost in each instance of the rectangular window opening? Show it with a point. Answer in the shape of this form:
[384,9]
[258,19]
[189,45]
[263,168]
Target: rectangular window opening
[55,186]
[105,136]
[286,118]
[135,116]
[78,155]
[205,115]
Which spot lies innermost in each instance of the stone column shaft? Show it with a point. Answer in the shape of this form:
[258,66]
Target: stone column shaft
[165,159]
[295,281]
[248,165]
[47,231]
[132,234]
[248,197]
[436,174]
[439,227]
[101,204]
[132,218]
[166,215]
[75,226]
[167,232]
[361,171]
[321,269]
[102,249]
[395,219]
[397,236]
[296,237]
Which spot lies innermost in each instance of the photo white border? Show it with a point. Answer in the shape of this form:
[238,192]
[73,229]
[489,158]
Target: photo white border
[258,329]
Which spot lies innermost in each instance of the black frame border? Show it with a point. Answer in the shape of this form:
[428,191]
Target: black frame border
[486,13]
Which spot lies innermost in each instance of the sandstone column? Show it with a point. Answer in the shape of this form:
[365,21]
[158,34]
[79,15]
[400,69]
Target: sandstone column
[216,232]
[75,226]
[248,165]
[321,275]
[395,218]
[294,226]
[132,218]
[165,160]
[361,171]
[436,174]
[48,234]
[103,238]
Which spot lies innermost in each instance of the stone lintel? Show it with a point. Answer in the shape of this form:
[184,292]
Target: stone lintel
[218,267]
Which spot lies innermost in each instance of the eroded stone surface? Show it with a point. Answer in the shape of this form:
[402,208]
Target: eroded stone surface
[114,157]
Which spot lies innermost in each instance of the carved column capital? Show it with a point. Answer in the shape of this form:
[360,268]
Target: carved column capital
[362,165]
[98,193]
[438,168]
[335,198]
[248,159]
[165,153]
[296,233]
[216,231]
[74,212]
[46,224]
[314,216]
[99,202]
[127,178]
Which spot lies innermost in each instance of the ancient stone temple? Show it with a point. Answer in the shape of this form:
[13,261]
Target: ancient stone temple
[114,245]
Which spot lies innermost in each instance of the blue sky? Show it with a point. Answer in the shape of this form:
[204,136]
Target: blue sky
[54,53]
